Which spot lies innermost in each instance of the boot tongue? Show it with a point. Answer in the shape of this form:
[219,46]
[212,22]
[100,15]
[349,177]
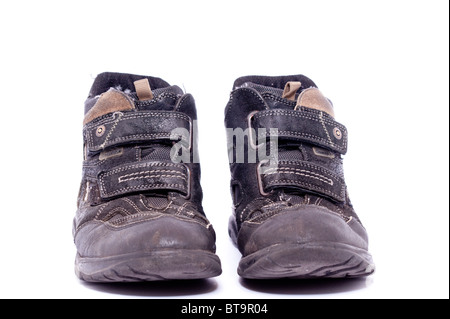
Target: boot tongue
[298,89]
[310,98]
[115,99]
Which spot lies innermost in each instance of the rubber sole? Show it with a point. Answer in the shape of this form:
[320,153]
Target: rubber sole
[159,265]
[311,260]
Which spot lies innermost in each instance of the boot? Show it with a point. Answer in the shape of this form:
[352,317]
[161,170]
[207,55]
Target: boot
[140,215]
[292,213]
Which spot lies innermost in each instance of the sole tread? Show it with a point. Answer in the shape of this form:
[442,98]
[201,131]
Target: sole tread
[312,260]
[153,266]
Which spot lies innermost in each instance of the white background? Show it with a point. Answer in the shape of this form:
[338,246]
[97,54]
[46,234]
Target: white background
[384,64]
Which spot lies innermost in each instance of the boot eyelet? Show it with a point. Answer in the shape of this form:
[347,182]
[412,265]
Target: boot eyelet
[337,133]
[100,130]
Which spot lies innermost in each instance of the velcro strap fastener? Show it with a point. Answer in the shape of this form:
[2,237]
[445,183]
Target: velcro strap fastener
[301,175]
[126,127]
[145,176]
[306,125]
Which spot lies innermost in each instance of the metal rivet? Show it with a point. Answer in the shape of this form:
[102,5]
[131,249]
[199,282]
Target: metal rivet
[100,130]
[337,133]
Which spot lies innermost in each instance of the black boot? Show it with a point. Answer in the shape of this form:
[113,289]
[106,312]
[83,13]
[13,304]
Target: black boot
[140,214]
[292,213]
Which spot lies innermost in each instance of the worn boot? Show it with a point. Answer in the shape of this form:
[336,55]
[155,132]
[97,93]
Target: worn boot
[140,215]
[292,213]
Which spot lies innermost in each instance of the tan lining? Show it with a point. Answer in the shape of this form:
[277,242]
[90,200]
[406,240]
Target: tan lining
[143,90]
[110,101]
[290,89]
[314,99]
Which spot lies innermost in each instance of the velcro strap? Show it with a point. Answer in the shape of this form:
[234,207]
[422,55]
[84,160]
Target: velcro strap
[305,125]
[146,176]
[302,175]
[126,127]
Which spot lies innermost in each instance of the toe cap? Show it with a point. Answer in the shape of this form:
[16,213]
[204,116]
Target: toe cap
[301,224]
[101,239]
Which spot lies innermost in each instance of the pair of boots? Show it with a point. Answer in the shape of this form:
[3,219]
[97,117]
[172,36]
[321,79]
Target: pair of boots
[140,215]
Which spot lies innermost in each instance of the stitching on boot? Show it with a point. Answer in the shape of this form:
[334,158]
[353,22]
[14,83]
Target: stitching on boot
[302,172]
[324,127]
[112,128]
[132,204]
[134,176]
